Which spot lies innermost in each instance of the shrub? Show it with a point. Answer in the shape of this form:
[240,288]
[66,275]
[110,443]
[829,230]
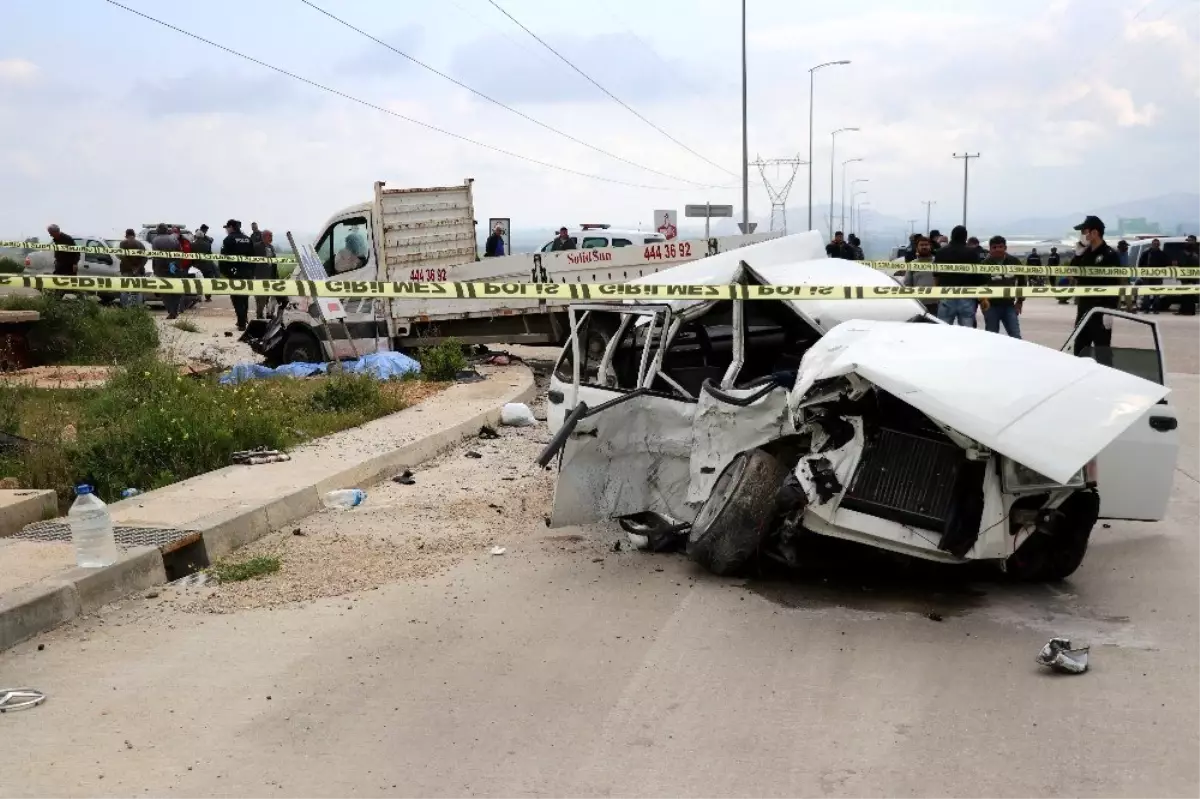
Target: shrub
[80,331]
[342,392]
[442,362]
[10,266]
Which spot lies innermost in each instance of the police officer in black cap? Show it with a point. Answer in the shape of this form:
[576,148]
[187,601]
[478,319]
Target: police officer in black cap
[237,243]
[1096,252]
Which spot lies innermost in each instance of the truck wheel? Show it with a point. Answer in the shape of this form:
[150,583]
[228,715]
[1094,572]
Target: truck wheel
[302,347]
[1053,556]
[730,527]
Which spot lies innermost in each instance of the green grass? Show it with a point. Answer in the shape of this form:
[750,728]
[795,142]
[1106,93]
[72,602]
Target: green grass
[10,266]
[83,332]
[186,325]
[149,426]
[227,572]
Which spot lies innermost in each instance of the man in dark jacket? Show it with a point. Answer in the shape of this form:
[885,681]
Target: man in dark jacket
[1152,256]
[65,263]
[132,266]
[494,246]
[238,243]
[1096,253]
[1191,257]
[562,241]
[202,245]
[838,248]
[1003,310]
[958,252]
[166,266]
[265,248]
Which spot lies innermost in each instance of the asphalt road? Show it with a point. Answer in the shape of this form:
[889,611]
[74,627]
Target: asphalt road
[565,668]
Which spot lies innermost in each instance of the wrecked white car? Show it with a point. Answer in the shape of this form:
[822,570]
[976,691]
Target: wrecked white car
[748,425]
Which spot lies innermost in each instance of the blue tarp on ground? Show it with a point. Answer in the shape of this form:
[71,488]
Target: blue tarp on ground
[381,365]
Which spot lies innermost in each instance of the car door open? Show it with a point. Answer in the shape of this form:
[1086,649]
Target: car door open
[624,437]
[1136,472]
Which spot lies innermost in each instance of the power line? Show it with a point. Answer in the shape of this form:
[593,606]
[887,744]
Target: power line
[375,107]
[612,96]
[506,107]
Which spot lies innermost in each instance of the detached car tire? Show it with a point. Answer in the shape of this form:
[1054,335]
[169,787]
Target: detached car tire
[302,347]
[1050,557]
[731,525]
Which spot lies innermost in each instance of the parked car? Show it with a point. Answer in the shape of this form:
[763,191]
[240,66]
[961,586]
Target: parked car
[752,425]
[41,262]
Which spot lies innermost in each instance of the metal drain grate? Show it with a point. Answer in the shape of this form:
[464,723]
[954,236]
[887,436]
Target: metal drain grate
[167,539]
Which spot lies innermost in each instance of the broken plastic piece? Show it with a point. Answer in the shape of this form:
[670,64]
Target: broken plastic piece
[638,541]
[1057,654]
[498,550]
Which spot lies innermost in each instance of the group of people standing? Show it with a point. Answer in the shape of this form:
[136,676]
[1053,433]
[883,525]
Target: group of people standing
[196,250]
[1003,312]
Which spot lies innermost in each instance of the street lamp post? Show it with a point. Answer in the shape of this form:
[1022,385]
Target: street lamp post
[745,141]
[928,214]
[853,194]
[832,164]
[811,86]
[862,232]
[842,223]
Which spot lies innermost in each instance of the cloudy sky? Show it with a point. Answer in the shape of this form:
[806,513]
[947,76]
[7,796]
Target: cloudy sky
[108,120]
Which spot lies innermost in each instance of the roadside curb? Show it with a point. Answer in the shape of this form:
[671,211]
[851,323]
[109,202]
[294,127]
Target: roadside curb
[43,606]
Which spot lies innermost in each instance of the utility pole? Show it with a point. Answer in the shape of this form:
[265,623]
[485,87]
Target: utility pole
[966,159]
[745,141]
[912,228]
[928,214]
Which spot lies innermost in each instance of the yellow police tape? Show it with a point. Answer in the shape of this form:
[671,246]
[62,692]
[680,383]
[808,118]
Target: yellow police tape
[241,259]
[1040,271]
[563,292]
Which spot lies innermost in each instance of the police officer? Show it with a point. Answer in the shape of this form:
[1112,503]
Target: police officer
[1095,252]
[238,243]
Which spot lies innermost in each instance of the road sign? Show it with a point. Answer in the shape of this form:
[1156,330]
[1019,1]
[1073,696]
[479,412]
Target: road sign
[702,211]
[742,227]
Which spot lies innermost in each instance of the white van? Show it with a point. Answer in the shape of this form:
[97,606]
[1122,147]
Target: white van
[597,236]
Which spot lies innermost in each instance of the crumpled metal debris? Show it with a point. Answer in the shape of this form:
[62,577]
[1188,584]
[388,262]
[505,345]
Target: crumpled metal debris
[12,699]
[253,457]
[1057,654]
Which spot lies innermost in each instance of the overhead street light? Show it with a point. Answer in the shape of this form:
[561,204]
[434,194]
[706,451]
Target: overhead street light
[842,222]
[811,85]
[832,164]
[853,195]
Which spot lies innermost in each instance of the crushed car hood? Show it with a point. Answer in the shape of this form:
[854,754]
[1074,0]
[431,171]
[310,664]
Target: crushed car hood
[1047,410]
[795,260]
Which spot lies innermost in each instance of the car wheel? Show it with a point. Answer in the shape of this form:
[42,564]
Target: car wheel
[302,347]
[1053,556]
[731,525]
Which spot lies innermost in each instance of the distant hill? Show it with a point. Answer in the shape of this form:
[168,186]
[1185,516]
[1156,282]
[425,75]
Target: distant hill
[1168,210]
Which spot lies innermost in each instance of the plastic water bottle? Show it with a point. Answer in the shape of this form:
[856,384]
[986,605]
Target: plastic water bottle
[345,498]
[130,492]
[91,530]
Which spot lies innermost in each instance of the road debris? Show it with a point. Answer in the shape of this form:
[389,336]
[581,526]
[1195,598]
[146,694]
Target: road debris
[933,616]
[344,498]
[1058,655]
[516,414]
[498,550]
[488,433]
[13,699]
[473,454]
[253,457]
[405,478]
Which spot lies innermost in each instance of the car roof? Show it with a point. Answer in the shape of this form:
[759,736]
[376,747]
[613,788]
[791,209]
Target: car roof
[795,260]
